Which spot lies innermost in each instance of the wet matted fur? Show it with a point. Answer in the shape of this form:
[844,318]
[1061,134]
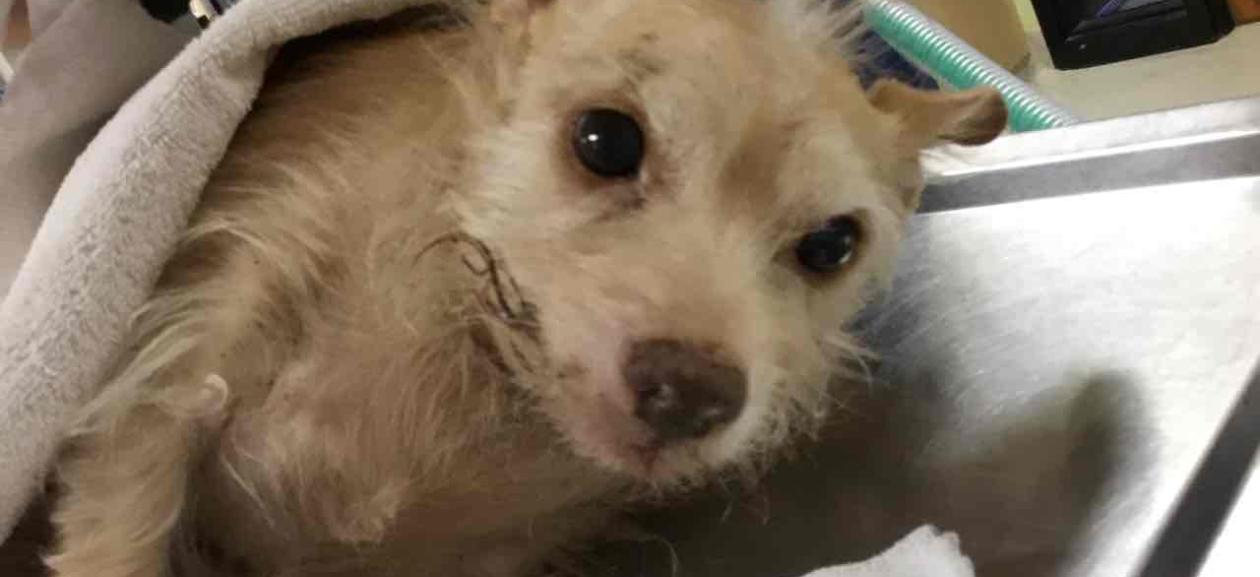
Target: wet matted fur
[393,339]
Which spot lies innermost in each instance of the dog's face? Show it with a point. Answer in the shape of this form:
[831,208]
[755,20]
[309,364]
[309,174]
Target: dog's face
[695,194]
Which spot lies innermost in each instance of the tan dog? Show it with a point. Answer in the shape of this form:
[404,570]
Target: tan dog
[473,279]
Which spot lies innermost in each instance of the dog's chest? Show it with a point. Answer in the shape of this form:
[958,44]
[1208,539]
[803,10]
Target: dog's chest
[410,478]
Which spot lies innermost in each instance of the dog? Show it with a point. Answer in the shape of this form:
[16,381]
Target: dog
[473,280]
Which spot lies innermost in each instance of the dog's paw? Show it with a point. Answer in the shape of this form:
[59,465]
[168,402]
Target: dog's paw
[926,552]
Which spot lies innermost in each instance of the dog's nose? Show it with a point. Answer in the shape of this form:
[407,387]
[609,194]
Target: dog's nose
[683,391]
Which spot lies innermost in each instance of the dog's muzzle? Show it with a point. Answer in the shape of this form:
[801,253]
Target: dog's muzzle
[682,390]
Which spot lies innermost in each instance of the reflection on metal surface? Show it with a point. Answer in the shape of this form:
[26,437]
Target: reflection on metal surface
[1205,504]
[1214,121]
[1235,552]
[1056,367]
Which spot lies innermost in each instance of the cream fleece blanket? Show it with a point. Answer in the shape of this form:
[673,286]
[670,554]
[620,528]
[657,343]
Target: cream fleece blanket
[115,220]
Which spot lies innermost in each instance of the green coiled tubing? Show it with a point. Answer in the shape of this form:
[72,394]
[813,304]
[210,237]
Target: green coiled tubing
[954,62]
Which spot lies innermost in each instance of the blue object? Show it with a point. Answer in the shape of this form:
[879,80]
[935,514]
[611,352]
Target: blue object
[876,59]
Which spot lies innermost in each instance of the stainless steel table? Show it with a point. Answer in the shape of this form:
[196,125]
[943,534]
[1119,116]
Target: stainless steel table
[1066,378]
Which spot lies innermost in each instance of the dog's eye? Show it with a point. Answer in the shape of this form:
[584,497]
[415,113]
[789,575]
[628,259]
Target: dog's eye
[827,249]
[608,143]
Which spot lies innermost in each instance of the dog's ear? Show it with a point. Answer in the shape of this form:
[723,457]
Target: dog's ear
[969,117]
[925,118]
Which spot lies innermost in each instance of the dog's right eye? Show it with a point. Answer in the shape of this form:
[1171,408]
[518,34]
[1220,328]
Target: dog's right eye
[608,143]
[827,249]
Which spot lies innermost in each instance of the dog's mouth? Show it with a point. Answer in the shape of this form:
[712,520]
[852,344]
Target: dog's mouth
[656,411]
[615,439]
[619,442]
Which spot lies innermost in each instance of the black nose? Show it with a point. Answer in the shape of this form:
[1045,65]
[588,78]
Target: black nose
[683,391]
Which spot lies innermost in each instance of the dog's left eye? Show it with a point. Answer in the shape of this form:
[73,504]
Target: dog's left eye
[609,143]
[827,249]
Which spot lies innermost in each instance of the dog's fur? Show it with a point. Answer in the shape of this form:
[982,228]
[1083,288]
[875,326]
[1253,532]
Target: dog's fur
[391,340]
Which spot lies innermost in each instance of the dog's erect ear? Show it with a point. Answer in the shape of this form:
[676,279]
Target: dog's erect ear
[925,118]
[969,117]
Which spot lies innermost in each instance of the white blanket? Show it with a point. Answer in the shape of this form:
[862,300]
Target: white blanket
[115,219]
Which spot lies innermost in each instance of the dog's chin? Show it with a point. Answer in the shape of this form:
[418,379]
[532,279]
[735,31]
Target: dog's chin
[615,440]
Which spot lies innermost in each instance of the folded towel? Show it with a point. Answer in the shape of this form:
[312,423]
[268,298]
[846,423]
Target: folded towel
[924,552]
[116,217]
[87,57]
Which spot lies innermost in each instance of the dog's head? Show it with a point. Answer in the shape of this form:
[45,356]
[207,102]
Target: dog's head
[694,195]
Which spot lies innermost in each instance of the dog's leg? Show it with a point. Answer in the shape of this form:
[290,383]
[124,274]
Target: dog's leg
[125,482]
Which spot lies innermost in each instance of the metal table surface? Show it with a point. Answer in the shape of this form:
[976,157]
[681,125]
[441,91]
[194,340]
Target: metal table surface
[1066,377]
